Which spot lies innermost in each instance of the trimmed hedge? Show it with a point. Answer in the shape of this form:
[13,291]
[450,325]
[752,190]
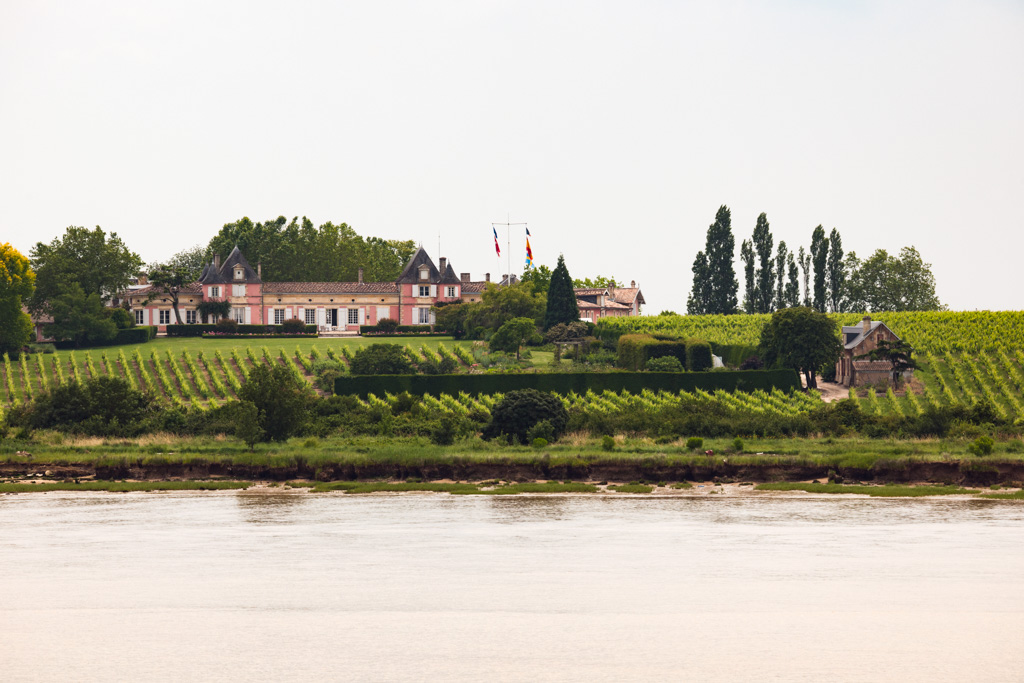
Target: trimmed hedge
[242,331]
[636,349]
[131,335]
[563,383]
[698,356]
[733,355]
[402,331]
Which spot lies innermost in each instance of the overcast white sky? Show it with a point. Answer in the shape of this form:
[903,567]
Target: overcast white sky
[614,129]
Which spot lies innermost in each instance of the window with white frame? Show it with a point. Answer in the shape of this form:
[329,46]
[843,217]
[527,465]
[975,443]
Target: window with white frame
[424,290]
[237,290]
[424,273]
[353,316]
[165,317]
[239,273]
[239,315]
[450,293]
[140,315]
[190,317]
[423,316]
[278,316]
[214,291]
[311,316]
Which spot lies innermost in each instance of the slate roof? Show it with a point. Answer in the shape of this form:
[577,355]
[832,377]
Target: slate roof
[235,258]
[449,277]
[330,288]
[411,272]
[858,330]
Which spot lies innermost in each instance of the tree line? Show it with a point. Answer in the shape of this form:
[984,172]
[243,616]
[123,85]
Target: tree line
[822,277]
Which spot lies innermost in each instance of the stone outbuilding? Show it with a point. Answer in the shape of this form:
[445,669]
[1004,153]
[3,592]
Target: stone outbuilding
[857,341]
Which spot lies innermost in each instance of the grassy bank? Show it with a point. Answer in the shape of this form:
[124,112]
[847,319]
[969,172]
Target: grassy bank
[884,491]
[123,486]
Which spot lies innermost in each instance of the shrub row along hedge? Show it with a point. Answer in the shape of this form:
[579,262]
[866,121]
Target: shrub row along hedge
[563,383]
[131,335]
[635,350]
[240,330]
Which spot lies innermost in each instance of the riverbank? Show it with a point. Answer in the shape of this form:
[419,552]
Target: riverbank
[53,457]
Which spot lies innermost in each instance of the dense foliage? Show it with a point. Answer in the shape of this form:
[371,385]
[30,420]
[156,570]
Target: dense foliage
[714,278]
[380,359]
[520,411]
[282,402]
[800,338]
[17,282]
[562,307]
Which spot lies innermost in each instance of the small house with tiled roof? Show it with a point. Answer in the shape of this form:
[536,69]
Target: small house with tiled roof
[336,306]
[859,340]
[600,302]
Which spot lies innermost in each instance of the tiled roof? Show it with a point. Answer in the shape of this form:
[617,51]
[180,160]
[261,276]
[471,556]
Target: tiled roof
[330,288]
[590,291]
[626,295]
[477,286]
[859,331]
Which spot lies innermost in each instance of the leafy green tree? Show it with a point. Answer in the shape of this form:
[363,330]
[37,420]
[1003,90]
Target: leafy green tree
[595,283]
[512,335]
[819,257]
[800,338]
[99,406]
[451,318]
[898,353]
[889,283]
[16,284]
[381,359]
[247,423]
[714,277]
[836,273]
[79,318]
[500,304]
[763,245]
[538,278]
[561,304]
[283,403]
[750,285]
[95,262]
[521,410]
[192,259]
[168,280]
[213,308]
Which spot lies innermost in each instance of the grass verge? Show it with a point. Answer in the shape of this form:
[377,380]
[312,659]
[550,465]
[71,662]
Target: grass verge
[125,486]
[876,491]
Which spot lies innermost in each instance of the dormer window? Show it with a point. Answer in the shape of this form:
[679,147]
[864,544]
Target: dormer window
[239,273]
[424,273]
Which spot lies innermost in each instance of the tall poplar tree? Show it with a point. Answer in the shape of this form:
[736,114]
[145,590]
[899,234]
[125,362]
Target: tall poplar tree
[562,306]
[750,287]
[793,286]
[804,259]
[763,243]
[819,257]
[721,286]
[697,302]
[836,272]
[780,275]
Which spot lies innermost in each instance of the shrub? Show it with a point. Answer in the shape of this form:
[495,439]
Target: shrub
[539,442]
[664,364]
[608,442]
[446,430]
[542,430]
[122,318]
[247,423]
[737,444]
[567,332]
[293,326]
[981,446]
[752,363]
[227,326]
[694,443]
[380,359]
[325,371]
[282,401]
[387,325]
[519,411]
[100,406]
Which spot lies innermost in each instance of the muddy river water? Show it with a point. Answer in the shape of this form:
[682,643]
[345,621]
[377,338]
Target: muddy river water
[287,586]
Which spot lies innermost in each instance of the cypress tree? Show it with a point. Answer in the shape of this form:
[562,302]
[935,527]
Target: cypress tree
[721,285]
[562,307]
[793,286]
[763,243]
[819,257]
[836,272]
[780,275]
[697,302]
[750,289]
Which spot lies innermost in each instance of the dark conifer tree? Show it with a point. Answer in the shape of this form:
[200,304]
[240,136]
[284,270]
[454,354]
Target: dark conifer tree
[721,286]
[819,257]
[562,307]
[750,287]
[697,302]
[780,275]
[763,243]
[836,272]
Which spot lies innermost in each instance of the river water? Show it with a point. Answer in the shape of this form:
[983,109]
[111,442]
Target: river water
[266,587]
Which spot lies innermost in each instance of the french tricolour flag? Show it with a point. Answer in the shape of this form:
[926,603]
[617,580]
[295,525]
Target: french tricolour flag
[497,249]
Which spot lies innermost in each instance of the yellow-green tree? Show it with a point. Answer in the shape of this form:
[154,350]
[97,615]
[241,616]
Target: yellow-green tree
[16,284]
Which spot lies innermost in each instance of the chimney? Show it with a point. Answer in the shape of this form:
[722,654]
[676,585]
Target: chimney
[216,261]
[632,284]
[465,277]
[867,324]
[259,269]
[360,276]
[444,264]
[487,277]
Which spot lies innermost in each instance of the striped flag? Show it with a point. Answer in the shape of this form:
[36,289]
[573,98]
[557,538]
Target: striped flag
[529,252]
[497,249]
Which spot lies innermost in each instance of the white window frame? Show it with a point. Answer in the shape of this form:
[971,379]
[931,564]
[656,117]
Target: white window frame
[237,290]
[140,316]
[238,315]
[422,316]
[424,291]
[450,292]
[310,316]
[424,273]
[214,292]
[165,317]
[191,317]
[278,316]
[239,273]
[353,316]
